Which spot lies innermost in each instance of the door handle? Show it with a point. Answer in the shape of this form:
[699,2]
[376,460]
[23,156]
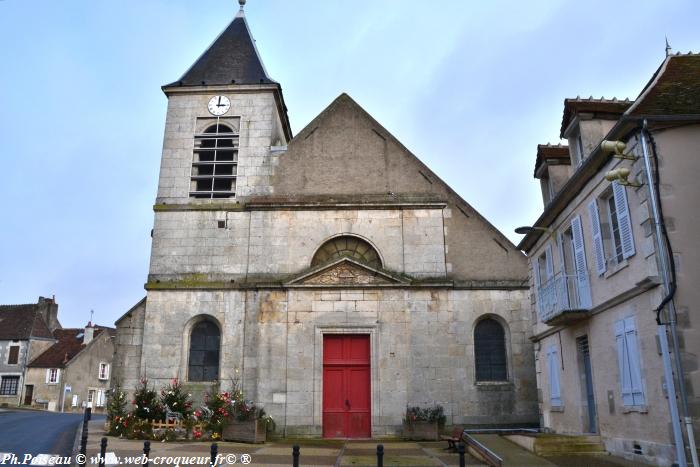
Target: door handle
[347,403]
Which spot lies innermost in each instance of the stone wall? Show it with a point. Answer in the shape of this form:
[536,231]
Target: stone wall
[421,340]
[282,242]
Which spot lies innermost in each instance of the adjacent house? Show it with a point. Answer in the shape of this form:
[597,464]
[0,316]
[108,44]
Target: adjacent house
[25,332]
[615,269]
[74,372]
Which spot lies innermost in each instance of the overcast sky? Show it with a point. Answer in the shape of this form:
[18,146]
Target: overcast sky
[470,87]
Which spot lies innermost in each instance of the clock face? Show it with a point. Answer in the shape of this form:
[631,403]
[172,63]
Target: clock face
[219,105]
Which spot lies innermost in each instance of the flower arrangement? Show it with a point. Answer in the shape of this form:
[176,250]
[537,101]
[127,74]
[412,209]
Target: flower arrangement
[429,414]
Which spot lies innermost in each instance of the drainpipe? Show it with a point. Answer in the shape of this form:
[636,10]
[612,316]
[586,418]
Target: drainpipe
[661,329]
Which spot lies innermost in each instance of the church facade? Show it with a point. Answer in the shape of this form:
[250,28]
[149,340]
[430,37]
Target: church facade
[330,274]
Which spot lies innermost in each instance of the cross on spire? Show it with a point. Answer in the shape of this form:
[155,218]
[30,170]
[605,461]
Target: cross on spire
[668,46]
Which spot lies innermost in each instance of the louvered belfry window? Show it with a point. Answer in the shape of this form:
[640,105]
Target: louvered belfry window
[204,352]
[214,164]
[490,351]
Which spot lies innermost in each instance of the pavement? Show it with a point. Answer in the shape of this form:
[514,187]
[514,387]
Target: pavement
[277,453]
[37,432]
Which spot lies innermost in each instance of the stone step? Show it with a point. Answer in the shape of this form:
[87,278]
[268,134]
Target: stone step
[569,448]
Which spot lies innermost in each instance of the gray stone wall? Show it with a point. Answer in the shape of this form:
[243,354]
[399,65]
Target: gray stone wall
[422,349]
[278,243]
[126,367]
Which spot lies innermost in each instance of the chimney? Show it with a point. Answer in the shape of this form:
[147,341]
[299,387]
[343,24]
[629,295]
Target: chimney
[48,308]
[89,333]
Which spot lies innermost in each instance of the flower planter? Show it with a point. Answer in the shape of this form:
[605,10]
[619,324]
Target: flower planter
[421,431]
[251,431]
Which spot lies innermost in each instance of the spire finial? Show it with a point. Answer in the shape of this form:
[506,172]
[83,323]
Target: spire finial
[668,47]
[240,11]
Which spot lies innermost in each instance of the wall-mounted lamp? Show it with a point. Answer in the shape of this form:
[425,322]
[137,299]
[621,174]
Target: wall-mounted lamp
[527,229]
[620,176]
[616,148]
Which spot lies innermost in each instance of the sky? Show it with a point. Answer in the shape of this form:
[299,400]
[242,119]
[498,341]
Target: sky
[470,87]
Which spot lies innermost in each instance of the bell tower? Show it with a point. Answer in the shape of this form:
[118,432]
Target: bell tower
[226,124]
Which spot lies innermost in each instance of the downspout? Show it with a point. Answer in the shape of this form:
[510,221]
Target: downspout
[661,328]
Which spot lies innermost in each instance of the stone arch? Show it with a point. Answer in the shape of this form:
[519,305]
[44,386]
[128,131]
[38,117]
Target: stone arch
[349,245]
[202,336]
[491,338]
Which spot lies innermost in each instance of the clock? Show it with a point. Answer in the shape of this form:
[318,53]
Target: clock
[219,105]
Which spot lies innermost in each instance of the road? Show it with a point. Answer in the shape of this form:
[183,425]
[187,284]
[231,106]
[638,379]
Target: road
[34,432]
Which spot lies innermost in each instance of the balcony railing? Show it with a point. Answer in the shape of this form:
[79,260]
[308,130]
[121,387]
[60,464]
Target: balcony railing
[560,300]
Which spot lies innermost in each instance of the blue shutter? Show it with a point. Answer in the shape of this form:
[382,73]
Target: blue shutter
[536,275]
[597,237]
[584,289]
[548,262]
[554,386]
[624,363]
[562,291]
[623,219]
[634,362]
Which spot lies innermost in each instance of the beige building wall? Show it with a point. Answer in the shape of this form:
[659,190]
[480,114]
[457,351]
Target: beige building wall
[81,374]
[630,289]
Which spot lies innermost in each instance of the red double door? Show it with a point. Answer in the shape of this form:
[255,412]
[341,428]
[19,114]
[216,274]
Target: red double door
[346,386]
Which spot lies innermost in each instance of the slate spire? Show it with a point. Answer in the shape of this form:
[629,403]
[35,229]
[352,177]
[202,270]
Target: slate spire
[231,59]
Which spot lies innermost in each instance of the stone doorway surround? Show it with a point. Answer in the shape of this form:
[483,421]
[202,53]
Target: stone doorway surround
[375,403]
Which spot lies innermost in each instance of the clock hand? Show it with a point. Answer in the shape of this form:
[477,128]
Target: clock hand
[219,104]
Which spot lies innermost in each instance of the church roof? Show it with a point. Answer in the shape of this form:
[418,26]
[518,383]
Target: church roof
[231,59]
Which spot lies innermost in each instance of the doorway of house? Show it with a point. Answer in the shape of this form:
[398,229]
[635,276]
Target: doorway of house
[28,394]
[586,375]
[346,386]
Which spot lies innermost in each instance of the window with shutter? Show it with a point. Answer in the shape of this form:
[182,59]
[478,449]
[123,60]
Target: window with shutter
[599,252]
[629,362]
[536,274]
[623,219]
[554,384]
[549,263]
[584,291]
[13,357]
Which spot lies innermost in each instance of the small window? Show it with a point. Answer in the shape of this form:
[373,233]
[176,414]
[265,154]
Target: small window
[204,352]
[214,164]
[13,357]
[52,376]
[9,385]
[103,372]
[100,398]
[490,351]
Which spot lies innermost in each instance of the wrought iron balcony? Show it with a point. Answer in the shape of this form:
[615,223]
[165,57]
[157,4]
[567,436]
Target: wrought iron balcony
[559,299]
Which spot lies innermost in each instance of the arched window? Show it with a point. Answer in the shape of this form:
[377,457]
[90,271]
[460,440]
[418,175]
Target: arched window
[347,246]
[214,165]
[204,352]
[490,351]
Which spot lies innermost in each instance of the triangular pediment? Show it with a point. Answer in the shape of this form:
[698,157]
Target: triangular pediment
[345,272]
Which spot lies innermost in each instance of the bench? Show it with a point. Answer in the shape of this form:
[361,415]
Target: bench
[454,438]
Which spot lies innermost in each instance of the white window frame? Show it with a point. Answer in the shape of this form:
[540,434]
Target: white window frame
[100,398]
[53,375]
[100,375]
